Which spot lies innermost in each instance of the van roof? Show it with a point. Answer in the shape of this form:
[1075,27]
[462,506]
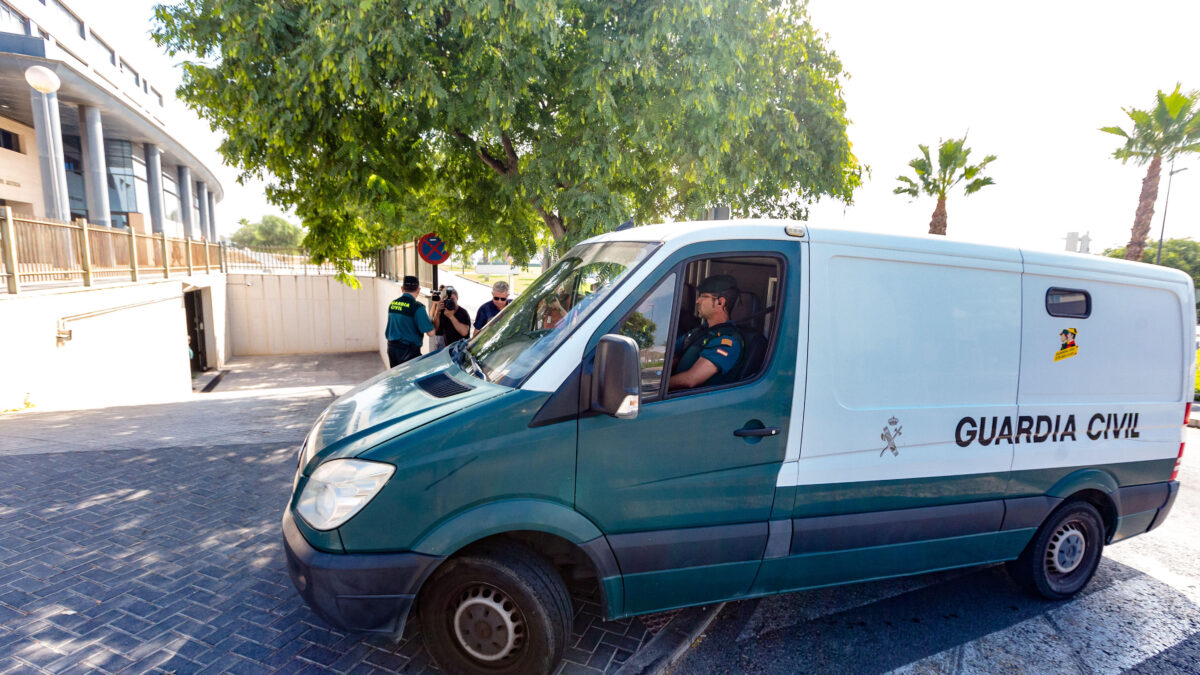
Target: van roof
[683,233]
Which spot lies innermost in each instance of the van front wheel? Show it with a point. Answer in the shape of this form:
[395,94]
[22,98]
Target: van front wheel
[494,611]
[1063,555]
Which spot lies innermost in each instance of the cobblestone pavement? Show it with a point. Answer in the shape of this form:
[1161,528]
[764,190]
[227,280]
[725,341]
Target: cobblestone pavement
[127,554]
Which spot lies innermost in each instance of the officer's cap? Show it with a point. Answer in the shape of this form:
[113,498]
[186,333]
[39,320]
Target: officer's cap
[718,284]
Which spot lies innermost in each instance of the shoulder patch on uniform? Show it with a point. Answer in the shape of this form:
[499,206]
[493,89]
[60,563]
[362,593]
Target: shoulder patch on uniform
[727,342]
[722,352]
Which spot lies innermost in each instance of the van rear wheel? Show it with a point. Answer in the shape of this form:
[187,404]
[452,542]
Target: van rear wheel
[496,610]
[1063,555]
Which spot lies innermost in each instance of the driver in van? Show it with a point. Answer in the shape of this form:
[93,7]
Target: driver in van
[712,351]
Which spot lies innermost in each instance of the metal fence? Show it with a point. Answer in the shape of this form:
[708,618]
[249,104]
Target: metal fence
[36,251]
[286,260]
[397,262]
[41,252]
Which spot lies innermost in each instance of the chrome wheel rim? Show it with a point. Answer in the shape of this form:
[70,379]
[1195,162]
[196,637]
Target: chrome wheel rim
[1066,549]
[487,624]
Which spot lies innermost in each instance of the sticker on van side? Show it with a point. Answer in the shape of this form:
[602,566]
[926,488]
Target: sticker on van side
[889,436]
[1043,428]
[1068,348]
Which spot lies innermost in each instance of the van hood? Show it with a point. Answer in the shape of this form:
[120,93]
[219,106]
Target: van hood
[392,403]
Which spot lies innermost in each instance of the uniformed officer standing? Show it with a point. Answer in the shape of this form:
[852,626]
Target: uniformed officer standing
[712,353]
[407,323]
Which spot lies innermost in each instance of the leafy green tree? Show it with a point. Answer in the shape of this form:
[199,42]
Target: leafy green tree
[952,169]
[270,231]
[1182,254]
[1170,129]
[491,121]
[639,327]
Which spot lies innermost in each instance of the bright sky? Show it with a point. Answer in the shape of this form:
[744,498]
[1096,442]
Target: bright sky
[1031,81]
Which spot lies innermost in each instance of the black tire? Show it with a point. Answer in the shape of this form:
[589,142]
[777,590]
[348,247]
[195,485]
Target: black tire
[474,602]
[1063,555]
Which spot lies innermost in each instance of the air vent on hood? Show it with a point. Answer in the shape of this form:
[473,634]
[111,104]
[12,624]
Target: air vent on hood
[442,385]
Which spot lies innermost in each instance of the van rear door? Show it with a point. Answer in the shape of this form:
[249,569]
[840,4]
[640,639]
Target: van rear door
[1105,354]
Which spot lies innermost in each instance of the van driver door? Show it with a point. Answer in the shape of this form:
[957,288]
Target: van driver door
[685,490]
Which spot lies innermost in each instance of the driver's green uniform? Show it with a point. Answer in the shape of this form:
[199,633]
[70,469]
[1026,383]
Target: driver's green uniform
[720,344]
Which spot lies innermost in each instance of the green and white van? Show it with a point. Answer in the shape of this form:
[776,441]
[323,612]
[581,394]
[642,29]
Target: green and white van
[897,405]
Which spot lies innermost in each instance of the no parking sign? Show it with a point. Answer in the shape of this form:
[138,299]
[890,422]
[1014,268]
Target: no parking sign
[432,249]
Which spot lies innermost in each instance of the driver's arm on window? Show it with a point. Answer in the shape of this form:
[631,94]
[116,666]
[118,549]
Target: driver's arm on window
[698,374]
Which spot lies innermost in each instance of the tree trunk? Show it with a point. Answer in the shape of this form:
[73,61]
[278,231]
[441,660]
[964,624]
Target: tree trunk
[937,225]
[553,221]
[1145,211]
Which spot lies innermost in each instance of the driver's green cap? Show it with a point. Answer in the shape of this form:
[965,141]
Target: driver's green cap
[717,284]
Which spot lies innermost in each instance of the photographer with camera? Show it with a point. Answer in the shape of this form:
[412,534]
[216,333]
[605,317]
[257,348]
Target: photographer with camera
[451,321]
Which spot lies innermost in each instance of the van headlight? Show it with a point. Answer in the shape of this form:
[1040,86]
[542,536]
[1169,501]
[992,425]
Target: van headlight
[338,489]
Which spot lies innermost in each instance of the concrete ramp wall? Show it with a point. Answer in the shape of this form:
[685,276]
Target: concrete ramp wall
[290,314]
[122,344]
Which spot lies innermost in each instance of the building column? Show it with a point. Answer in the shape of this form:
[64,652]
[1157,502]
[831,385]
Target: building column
[48,130]
[185,201]
[95,171]
[212,217]
[154,186]
[202,198]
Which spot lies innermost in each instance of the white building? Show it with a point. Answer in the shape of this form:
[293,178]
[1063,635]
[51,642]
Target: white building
[98,147]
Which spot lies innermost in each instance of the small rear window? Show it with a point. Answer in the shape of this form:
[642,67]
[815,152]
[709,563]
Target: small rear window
[1069,303]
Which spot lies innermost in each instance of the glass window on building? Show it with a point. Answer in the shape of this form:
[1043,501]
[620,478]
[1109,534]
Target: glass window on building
[76,188]
[196,224]
[171,210]
[67,17]
[141,188]
[122,196]
[131,74]
[102,50]
[10,140]
[11,21]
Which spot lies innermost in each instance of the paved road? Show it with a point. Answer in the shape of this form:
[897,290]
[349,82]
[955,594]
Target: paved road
[1141,614]
[147,538]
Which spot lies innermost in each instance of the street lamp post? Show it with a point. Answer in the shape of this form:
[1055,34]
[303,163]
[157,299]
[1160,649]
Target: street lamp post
[46,82]
[1166,203]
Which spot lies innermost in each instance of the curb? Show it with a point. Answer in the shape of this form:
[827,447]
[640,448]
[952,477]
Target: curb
[469,281]
[672,642]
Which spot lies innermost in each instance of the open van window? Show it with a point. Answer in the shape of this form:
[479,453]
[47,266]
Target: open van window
[534,324]
[736,346]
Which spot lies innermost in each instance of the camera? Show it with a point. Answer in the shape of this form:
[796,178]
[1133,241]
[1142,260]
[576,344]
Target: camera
[436,296]
[450,304]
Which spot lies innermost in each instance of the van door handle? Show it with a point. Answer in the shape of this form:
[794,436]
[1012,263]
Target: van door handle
[765,431]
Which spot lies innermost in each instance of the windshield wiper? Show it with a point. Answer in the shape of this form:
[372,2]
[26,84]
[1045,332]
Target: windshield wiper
[468,362]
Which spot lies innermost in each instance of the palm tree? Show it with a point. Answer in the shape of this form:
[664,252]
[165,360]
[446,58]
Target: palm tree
[1171,129]
[952,169]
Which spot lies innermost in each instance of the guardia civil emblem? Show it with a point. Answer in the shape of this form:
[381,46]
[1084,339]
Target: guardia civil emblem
[890,433]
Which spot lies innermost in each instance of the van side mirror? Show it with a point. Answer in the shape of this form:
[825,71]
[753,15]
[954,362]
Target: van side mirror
[616,377]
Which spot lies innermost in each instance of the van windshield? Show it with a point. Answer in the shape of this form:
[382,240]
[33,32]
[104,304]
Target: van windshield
[542,317]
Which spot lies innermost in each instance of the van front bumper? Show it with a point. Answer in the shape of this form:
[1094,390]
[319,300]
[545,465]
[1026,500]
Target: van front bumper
[363,592]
